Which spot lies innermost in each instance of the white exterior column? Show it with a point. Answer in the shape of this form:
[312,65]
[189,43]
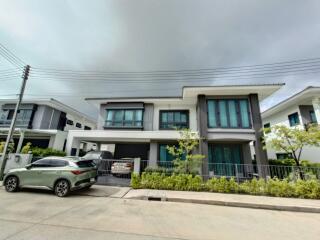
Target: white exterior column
[72,142]
[316,107]
[20,141]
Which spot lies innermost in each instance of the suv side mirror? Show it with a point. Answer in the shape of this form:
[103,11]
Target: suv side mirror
[29,166]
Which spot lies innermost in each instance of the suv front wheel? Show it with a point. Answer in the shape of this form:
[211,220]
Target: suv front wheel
[12,184]
[62,188]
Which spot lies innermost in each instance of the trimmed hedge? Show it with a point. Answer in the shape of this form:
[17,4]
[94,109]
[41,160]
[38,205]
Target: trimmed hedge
[45,152]
[185,182]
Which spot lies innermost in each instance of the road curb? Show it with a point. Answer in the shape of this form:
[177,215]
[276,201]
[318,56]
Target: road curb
[231,204]
[248,205]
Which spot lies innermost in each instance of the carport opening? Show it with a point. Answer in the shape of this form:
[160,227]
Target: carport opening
[131,150]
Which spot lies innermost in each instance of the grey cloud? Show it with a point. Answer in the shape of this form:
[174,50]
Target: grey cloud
[126,35]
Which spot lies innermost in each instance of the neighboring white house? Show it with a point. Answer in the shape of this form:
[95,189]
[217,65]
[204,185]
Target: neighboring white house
[43,122]
[227,119]
[298,110]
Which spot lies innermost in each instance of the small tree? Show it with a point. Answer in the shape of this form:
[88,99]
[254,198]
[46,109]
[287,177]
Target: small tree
[292,140]
[27,148]
[185,161]
[10,147]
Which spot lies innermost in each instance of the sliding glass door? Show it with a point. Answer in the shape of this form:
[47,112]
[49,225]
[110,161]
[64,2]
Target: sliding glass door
[223,157]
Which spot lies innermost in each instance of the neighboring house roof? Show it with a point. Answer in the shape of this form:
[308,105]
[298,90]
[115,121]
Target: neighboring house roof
[263,90]
[51,102]
[303,97]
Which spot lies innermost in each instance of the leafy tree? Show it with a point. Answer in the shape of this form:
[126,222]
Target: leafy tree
[185,161]
[10,147]
[292,140]
[27,148]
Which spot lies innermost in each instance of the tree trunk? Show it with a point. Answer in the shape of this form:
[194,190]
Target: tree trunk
[301,174]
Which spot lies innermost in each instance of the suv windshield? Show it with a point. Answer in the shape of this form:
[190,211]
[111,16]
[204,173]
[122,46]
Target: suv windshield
[85,164]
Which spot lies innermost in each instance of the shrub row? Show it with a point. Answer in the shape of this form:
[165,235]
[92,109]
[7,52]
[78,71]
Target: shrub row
[45,152]
[271,187]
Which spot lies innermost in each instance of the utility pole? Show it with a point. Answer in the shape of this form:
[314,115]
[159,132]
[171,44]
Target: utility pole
[13,122]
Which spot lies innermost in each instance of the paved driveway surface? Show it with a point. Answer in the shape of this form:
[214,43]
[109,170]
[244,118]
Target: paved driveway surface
[41,215]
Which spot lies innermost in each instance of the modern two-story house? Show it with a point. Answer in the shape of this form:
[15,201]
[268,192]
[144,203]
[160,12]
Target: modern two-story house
[43,122]
[298,110]
[226,118]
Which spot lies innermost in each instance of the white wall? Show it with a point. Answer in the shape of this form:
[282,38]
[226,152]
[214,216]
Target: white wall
[57,141]
[77,119]
[281,118]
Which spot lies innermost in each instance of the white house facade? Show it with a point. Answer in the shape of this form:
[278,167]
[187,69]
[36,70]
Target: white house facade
[226,118]
[299,110]
[43,122]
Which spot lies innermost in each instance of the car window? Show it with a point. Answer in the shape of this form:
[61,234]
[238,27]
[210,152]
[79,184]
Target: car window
[58,163]
[85,164]
[92,155]
[42,163]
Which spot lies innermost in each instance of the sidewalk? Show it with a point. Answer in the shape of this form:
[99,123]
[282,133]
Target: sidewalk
[234,200]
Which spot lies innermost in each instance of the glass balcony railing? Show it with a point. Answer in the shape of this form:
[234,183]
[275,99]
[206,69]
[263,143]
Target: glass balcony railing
[19,123]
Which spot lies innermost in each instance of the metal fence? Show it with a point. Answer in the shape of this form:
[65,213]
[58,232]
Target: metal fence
[116,172]
[240,172]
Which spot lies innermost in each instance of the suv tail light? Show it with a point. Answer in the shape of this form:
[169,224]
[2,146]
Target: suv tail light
[76,172]
[128,165]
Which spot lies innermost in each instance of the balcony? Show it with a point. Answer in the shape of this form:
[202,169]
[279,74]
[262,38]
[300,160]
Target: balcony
[19,123]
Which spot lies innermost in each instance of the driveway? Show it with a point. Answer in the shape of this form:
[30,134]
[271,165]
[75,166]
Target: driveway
[41,215]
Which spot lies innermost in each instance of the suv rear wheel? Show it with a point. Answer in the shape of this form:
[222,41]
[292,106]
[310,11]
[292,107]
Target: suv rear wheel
[12,184]
[62,188]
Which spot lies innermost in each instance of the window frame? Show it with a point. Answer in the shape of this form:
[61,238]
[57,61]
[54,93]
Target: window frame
[312,115]
[123,121]
[238,112]
[173,111]
[291,115]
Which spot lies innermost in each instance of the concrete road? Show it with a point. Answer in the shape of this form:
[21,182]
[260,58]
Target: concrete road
[40,215]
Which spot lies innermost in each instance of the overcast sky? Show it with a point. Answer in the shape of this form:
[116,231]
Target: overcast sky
[149,35]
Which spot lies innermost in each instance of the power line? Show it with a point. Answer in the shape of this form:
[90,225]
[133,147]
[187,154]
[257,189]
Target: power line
[11,57]
[180,79]
[266,65]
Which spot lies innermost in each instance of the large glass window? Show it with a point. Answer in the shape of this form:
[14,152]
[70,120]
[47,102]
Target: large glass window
[172,119]
[228,113]
[124,118]
[294,119]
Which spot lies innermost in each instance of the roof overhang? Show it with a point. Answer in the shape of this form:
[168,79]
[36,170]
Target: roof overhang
[51,102]
[190,93]
[303,97]
[263,90]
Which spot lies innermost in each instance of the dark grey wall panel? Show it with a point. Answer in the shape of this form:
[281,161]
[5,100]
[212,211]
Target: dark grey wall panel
[261,154]
[148,117]
[305,113]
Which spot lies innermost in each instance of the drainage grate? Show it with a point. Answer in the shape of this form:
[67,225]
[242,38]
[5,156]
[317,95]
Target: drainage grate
[154,199]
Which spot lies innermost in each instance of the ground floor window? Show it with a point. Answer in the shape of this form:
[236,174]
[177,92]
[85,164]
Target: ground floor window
[223,157]
[282,156]
[165,158]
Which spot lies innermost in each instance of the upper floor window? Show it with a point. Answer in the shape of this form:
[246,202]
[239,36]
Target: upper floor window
[78,125]
[294,119]
[267,127]
[23,117]
[172,119]
[313,117]
[70,122]
[124,118]
[228,113]
[87,128]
